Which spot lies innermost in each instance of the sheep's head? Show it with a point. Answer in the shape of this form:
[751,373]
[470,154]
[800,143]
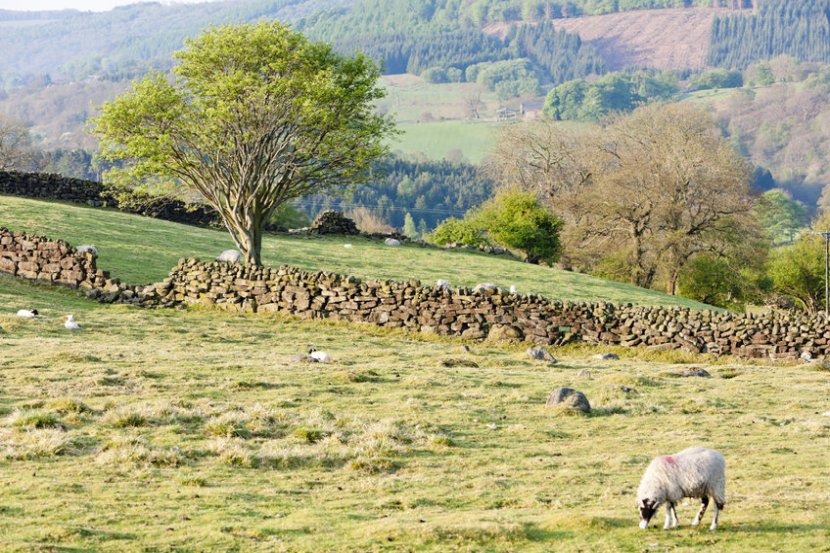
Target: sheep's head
[311,350]
[647,509]
[35,313]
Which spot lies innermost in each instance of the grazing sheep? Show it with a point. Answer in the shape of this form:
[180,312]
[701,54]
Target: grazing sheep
[513,289]
[485,286]
[70,324]
[229,256]
[87,248]
[392,242]
[27,314]
[347,246]
[694,472]
[441,283]
[319,356]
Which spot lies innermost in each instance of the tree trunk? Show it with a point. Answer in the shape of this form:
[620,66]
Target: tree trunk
[252,248]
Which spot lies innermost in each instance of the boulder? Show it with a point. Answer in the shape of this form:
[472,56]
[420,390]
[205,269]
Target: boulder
[392,242]
[541,354]
[606,356]
[694,371]
[569,398]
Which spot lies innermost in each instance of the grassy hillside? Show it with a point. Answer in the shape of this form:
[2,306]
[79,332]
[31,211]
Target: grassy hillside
[139,249]
[447,139]
[167,430]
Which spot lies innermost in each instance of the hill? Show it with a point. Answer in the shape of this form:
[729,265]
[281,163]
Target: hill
[658,39]
[140,250]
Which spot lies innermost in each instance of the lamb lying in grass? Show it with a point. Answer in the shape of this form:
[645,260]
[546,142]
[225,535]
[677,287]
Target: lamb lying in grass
[694,472]
[27,314]
[87,248]
[229,256]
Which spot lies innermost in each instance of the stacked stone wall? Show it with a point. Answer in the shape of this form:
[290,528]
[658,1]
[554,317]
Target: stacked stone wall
[488,314]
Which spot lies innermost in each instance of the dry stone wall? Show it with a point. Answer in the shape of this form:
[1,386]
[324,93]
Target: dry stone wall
[488,314]
[55,262]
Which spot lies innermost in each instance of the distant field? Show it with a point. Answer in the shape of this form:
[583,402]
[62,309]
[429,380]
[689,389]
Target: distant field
[140,250]
[411,99]
[439,140]
[192,431]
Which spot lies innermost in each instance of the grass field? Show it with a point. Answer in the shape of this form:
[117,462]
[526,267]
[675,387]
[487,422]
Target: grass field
[444,139]
[164,430]
[142,250]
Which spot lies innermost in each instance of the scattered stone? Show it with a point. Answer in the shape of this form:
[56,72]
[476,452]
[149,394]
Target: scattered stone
[333,222]
[694,371]
[584,374]
[606,356]
[570,398]
[485,287]
[541,354]
[504,333]
[465,348]
[392,242]
[302,359]
[453,362]
[623,389]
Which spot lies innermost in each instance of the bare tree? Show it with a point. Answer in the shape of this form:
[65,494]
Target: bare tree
[474,104]
[15,145]
[649,190]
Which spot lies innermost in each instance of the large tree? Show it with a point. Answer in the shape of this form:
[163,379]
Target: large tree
[252,117]
[640,196]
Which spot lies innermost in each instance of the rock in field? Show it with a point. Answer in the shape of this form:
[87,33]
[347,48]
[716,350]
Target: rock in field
[570,398]
[694,371]
[606,356]
[541,354]
[503,333]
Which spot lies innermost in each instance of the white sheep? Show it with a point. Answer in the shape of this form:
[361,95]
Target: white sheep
[485,286]
[694,472]
[87,248]
[229,256]
[441,283]
[319,356]
[392,242]
[70,324]
[27,314]
[513,289]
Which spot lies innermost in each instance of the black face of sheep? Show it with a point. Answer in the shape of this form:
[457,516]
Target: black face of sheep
[647,509]
[35,313]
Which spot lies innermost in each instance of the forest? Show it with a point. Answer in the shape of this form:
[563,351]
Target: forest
[780,27]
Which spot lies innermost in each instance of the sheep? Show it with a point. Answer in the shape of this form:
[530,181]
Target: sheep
[27,314]
[319,356]
[694,472]
[441,283]
[392,242]
[229,256]
[348,246]
[485,286]
[513,289]
[87,248]
[70,324]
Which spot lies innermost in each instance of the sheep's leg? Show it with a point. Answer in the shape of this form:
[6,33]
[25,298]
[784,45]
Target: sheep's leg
[675,522]
[704,502]
[718,507]
[669,509]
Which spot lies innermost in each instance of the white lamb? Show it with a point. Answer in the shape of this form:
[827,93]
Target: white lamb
[441,283]
[27,314]
[71,324]
[229,256]
[87,248]
[392,242]
[319,356]
[694,472]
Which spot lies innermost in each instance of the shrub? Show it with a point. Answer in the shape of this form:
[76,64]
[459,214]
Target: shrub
[518,220]
[457,231]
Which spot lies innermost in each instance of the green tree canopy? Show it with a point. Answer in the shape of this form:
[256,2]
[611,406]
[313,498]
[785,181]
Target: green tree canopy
[253,116]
